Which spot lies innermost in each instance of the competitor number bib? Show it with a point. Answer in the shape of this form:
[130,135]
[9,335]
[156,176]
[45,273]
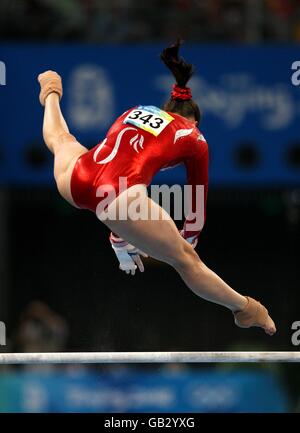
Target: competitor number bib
[149,118]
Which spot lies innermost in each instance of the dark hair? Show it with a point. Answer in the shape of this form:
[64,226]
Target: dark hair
[182,72]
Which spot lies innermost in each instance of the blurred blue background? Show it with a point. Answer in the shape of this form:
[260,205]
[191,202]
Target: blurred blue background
[246,91]
[135,391]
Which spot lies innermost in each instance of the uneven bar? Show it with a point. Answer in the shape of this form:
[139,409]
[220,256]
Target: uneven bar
[146,357]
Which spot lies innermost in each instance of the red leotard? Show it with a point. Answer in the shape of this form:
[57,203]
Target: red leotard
[131,151]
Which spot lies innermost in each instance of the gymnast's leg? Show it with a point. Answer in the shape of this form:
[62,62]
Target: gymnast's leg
[161,240]
[58,139]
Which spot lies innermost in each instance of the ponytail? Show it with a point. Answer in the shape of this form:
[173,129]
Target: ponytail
[181,70]
[181,101]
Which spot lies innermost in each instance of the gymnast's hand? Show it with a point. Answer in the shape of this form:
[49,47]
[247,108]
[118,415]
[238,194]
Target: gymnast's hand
[50,82]
[128,255]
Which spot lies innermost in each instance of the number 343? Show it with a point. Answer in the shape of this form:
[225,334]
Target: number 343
[137,114]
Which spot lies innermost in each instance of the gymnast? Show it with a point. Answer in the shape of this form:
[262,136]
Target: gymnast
[142,141]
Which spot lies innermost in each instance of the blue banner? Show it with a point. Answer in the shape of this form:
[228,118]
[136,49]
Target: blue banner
[83,390]
[246,95]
